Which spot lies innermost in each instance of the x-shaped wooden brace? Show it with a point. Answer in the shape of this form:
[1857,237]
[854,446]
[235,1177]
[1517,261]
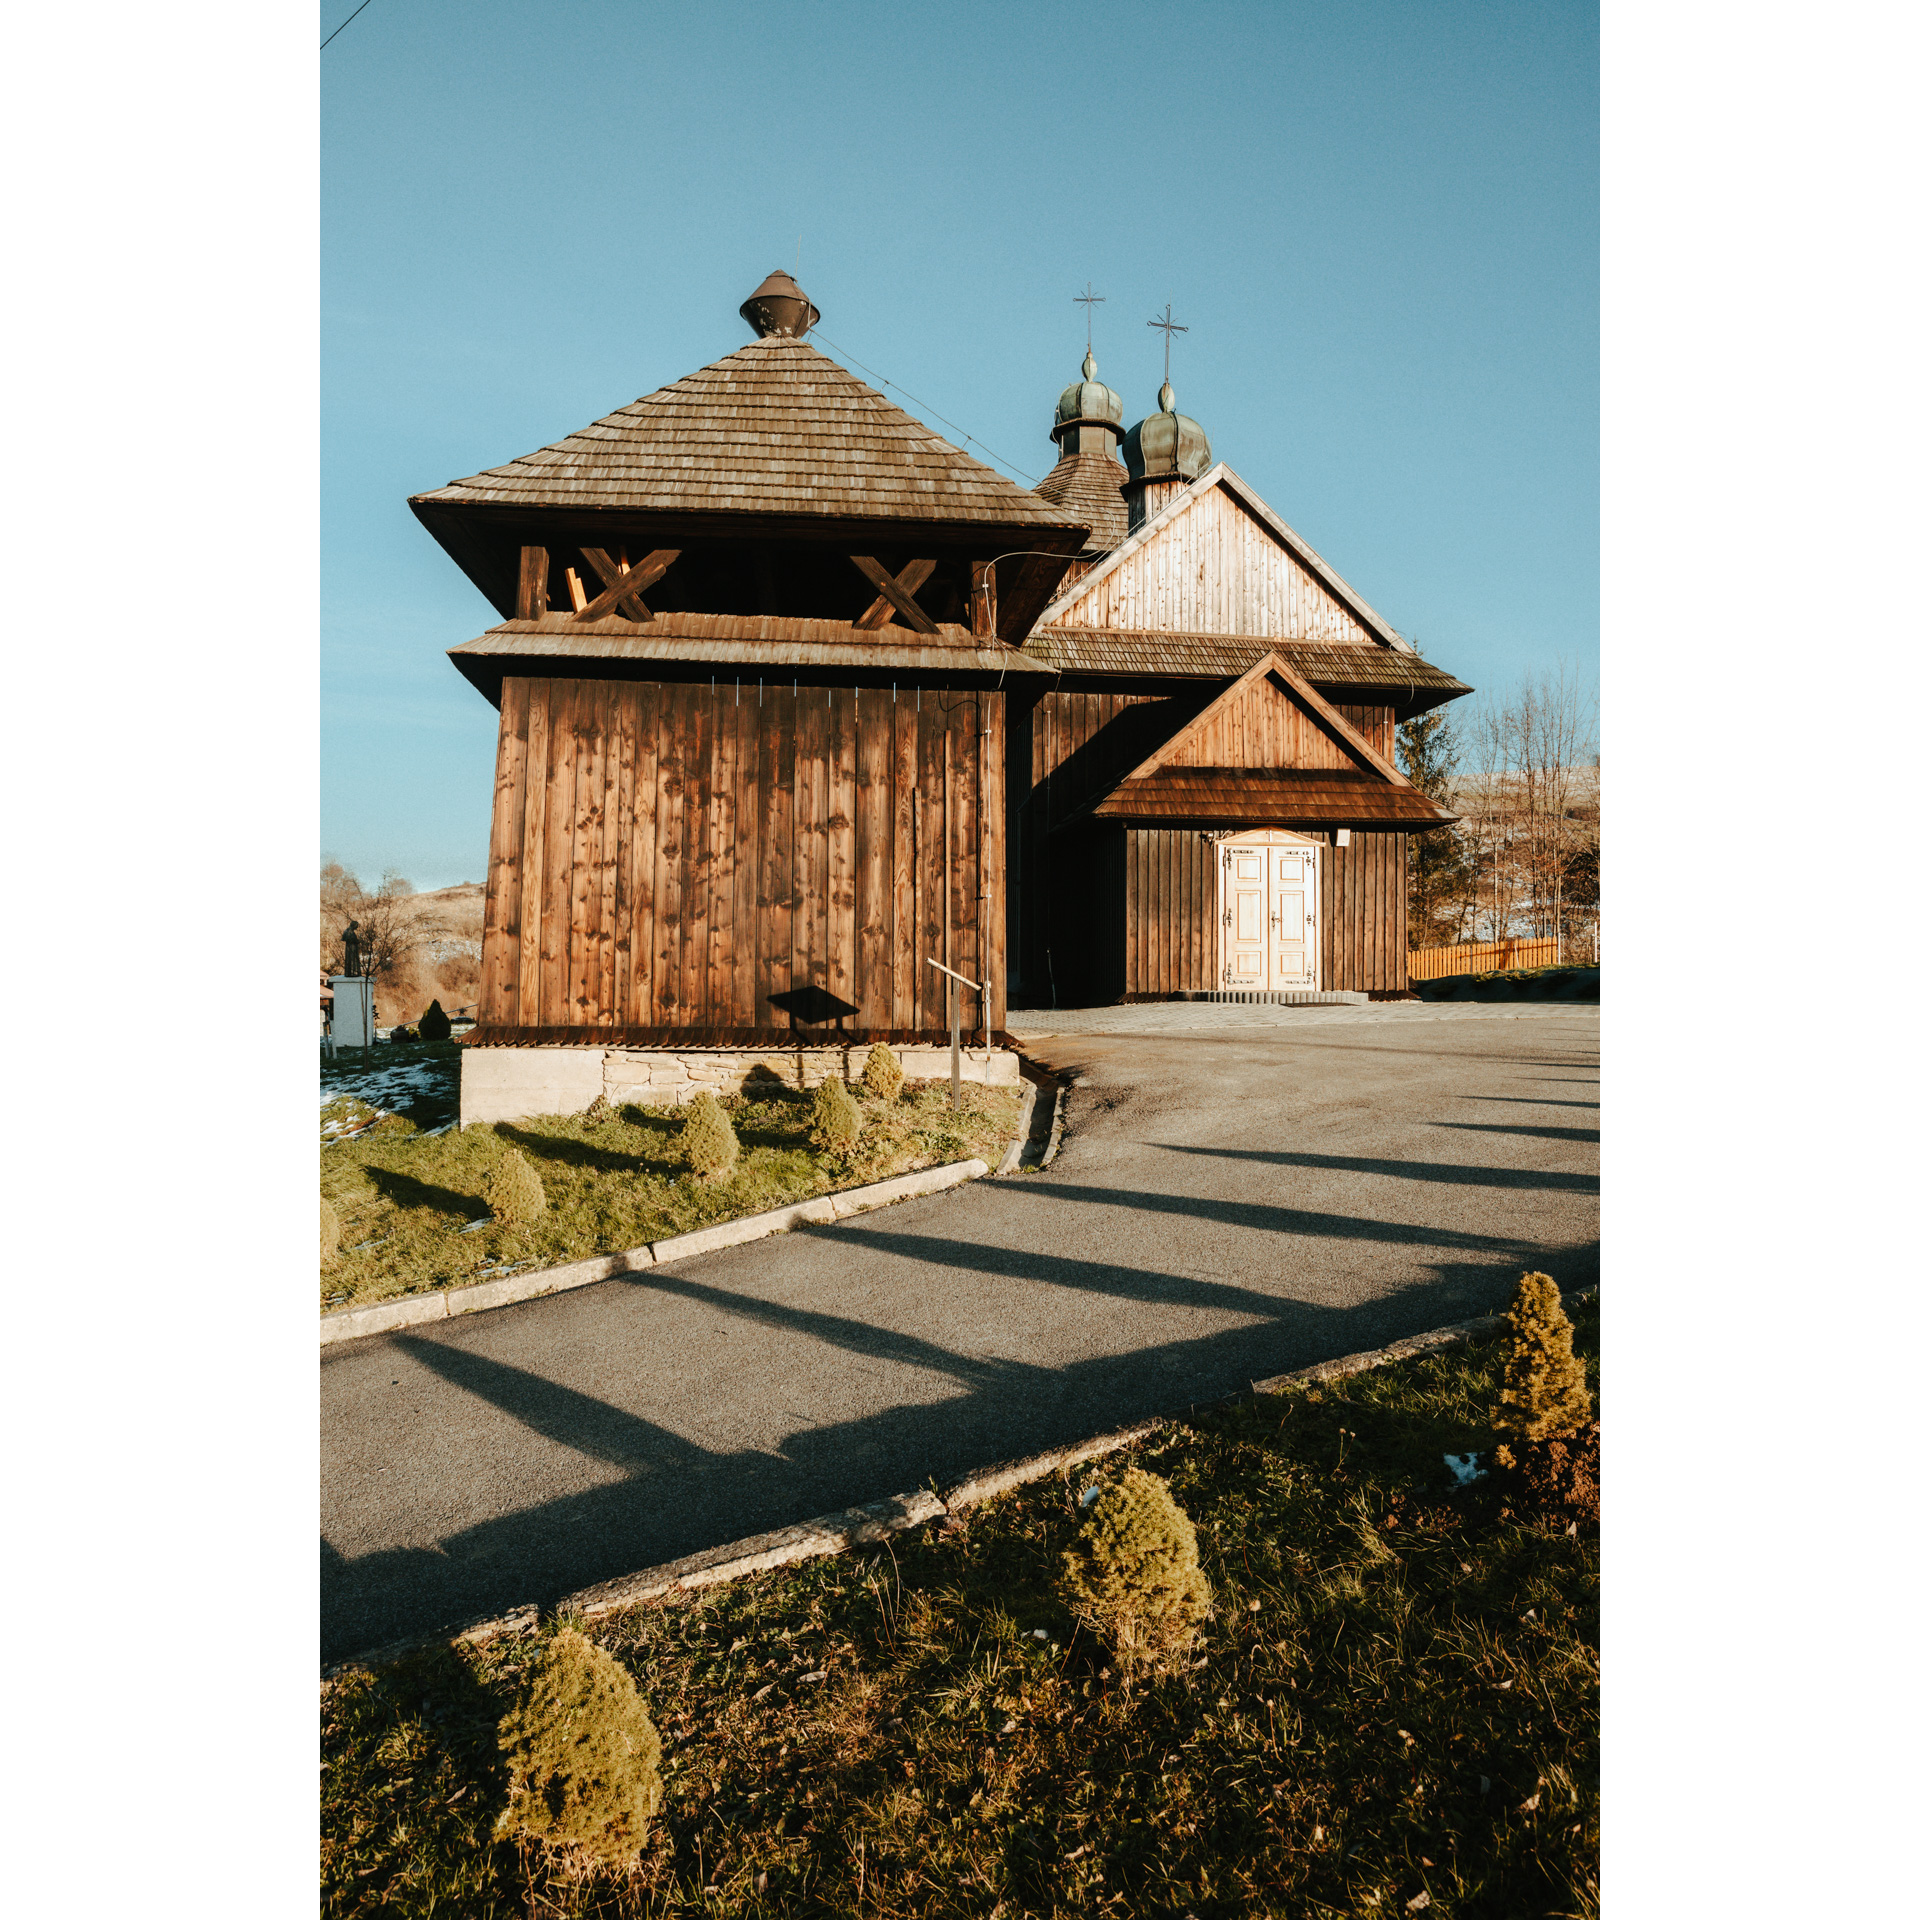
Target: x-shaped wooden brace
[896,596]
[623,585]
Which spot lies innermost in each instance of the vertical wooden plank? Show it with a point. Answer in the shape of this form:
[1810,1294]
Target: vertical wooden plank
[556,915]
[669,866]
[810,840]
[873,849]
[999,843]
[963,734]
[617,902]
[606,840]
[499,945]
[930,879]
[645,854]
[907,963]
[780,724]
[697,954]
[722,845]
[747,886]
[533,863]
[1134,948]
[583,896]
[530,601]
[842,808]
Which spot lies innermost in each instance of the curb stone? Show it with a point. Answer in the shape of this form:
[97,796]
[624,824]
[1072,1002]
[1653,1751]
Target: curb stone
[419,1309]
[1010,1160]
[1053,1136]
[853,1526]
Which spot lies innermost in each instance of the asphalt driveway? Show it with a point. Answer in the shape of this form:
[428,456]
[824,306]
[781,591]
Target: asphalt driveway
[1242,1190]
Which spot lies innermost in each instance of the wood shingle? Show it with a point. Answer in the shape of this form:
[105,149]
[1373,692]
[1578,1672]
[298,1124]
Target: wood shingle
[774,428]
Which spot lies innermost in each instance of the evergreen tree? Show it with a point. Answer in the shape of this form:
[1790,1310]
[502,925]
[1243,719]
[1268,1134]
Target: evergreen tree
[1440,866]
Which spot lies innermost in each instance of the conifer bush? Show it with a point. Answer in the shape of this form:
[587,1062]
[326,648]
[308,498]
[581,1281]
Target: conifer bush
[1133,1573]
[583,1756]
[707,1138]
[882,1076]
[1543,1384]
[515,1196]
[435,1025]
[329,1230]
[836,1118]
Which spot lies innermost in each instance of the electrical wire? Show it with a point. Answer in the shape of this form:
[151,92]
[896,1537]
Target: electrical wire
[345,24]
[941,417]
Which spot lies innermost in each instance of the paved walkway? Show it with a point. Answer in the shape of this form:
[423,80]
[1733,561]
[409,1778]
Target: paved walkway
[1242,1190]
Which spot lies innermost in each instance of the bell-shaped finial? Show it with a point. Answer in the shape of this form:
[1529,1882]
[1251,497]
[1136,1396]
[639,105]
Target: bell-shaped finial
[777,306]
[1166,396]
[1089,366]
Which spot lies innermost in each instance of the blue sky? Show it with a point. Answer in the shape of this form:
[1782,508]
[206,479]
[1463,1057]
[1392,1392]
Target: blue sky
[1380,223]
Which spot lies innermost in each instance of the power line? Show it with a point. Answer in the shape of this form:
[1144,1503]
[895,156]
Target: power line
[345,24]
[941,417]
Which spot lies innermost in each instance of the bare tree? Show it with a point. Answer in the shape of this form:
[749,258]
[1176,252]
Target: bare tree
[392,933]
[1534,815]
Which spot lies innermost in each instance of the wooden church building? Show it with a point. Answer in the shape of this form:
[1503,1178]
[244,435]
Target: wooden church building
[804,712]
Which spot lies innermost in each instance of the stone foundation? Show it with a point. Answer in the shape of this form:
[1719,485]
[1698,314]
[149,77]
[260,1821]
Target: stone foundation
[514,1083]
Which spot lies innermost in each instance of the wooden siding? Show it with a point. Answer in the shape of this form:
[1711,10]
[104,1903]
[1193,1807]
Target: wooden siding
[671,856]
[1215,568]
[1363,914]
[1263,725]
[1112,911]
[1172,912]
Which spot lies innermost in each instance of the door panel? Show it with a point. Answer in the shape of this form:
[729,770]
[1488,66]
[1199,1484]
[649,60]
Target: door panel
[1295,907]
[1243,944]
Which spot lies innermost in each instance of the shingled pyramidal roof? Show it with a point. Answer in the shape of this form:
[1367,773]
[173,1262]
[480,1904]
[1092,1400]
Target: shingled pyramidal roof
[776,428]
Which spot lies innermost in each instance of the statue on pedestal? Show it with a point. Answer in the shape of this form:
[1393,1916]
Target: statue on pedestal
[350,946]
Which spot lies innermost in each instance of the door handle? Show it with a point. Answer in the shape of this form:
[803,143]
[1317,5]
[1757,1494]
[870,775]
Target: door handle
[1229,917]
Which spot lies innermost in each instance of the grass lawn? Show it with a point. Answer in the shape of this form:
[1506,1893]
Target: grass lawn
[1395,1709]
[412,1201]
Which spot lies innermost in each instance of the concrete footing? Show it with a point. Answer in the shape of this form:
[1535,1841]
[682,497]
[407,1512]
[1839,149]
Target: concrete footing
[515,1083]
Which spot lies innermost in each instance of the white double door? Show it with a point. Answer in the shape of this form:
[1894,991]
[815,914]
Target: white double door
[1269,912]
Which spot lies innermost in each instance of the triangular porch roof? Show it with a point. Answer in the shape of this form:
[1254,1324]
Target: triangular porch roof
[1268,751]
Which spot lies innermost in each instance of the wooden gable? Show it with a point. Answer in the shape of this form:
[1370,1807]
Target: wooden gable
[1269,750]
[1271,717]
[1217,559]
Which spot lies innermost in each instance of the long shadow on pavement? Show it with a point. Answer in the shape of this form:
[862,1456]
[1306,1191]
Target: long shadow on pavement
[1529,1178]
[677,1497]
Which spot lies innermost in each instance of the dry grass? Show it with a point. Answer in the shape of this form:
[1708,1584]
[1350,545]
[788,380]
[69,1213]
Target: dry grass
[1394,1710]
[413,1207]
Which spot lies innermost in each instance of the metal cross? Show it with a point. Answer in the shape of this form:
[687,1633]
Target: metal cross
[1089,300]
[1169,327]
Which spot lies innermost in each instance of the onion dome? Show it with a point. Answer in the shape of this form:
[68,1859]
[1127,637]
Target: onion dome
[778,306]
[1087,404]
[1166,445]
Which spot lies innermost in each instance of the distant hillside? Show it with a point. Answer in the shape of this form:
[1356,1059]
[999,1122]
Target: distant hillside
[439,933]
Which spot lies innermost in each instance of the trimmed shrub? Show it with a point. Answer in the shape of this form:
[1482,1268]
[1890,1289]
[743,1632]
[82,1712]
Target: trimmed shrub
[515,1196]
[329,1230]
[836,1118]
[583,1756]
[1543,1383]
[400,1034]
[1133,1574]
[435,1025]
[882,1076]
[707,1139]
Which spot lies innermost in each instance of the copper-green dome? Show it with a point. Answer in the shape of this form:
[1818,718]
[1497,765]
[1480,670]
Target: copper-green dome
[1087,402]
[1166,445]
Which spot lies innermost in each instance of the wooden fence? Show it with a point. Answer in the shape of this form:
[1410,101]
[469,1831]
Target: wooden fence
[1482,956]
